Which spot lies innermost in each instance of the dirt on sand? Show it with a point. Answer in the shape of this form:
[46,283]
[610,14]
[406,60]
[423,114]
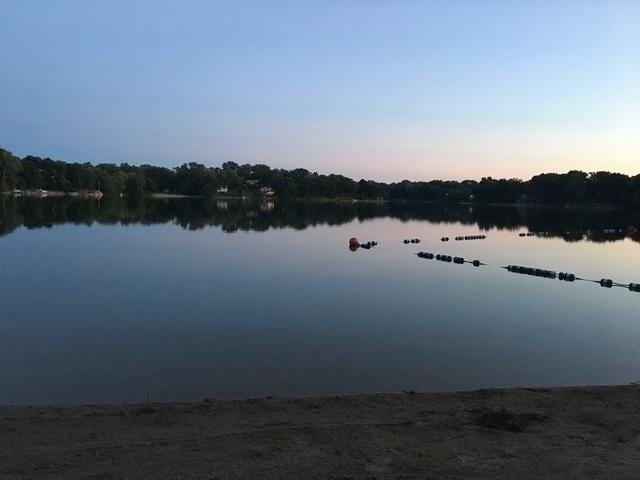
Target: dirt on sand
[569,433]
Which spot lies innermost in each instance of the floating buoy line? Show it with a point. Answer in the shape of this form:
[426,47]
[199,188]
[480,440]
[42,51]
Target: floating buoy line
[466,237]
[569,277]
[534,272]
[354,244]
[471,237]
[448,259]
[604,231]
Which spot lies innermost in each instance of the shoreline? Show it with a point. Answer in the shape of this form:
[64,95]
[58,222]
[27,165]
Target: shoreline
[531,206]
[602,207]
[578,432]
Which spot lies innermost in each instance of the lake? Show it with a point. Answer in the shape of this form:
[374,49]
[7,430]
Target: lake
[186,299]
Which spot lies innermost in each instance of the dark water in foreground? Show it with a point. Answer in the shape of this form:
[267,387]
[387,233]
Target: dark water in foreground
[187,299]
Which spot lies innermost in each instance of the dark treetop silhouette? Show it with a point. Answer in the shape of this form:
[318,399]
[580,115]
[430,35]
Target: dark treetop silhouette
[574,187]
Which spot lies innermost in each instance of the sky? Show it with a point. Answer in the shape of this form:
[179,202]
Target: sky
[383,90]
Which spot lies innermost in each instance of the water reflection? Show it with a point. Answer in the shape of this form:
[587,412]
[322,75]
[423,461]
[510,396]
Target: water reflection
[138,306]
[235,215]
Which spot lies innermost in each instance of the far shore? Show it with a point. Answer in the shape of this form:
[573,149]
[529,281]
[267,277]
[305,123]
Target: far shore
[523,433]
[338,200]
[569,206]
[172,195]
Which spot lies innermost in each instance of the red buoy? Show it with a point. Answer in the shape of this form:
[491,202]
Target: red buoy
[354,244]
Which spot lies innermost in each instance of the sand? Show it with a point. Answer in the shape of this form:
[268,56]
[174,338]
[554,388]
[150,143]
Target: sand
[579,433]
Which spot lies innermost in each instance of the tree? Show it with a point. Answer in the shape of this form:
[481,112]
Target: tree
[81,176]
[574,187]
[10,168]
[135,184]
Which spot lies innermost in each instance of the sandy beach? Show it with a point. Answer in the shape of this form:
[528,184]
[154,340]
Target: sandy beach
[591,432]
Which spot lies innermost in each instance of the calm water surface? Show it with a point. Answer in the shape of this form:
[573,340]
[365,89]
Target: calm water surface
[186,299]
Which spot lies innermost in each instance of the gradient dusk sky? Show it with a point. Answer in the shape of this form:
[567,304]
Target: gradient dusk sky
[376,89]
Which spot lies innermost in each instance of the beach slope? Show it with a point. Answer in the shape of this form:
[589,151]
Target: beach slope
[562,433]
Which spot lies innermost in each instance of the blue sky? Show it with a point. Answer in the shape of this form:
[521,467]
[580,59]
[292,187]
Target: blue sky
[385,90]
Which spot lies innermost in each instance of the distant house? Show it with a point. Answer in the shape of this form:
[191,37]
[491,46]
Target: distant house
[252,183]
[267,206]
[267,191]
[36,192]
[224,189]
[90,194]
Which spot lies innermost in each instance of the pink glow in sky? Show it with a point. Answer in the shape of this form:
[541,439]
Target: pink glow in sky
[380,90]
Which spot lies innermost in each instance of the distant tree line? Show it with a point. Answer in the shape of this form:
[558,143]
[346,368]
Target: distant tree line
[574,187]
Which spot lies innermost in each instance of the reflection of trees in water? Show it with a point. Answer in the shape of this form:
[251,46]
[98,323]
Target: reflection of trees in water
[235,215]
